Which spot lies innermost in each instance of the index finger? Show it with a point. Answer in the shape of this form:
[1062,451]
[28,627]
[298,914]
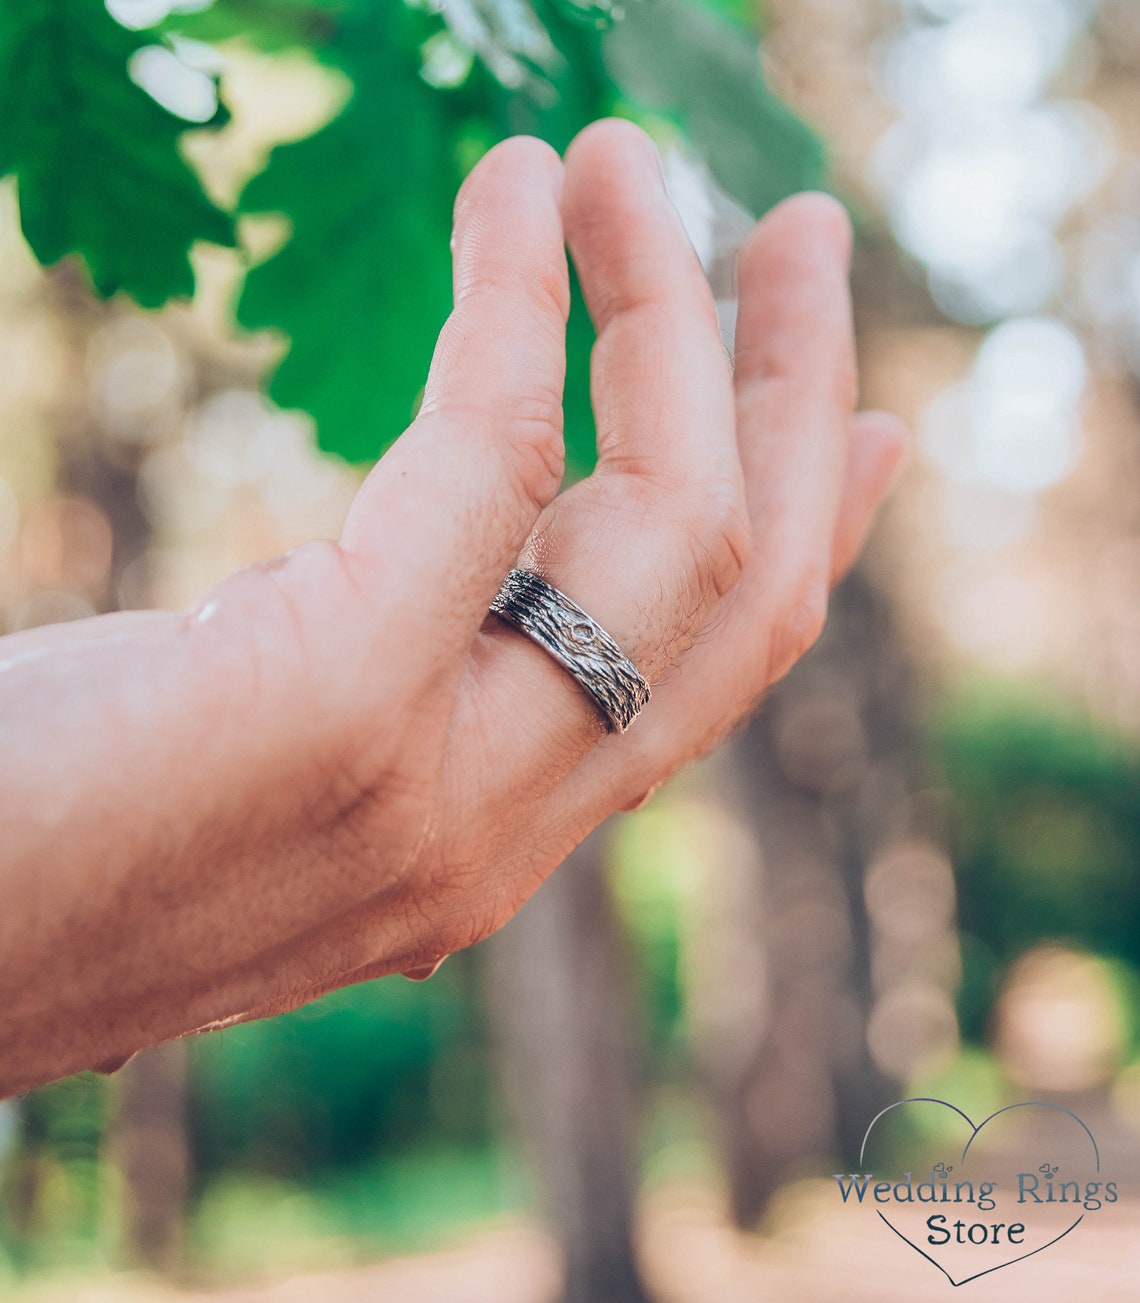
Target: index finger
[448,508]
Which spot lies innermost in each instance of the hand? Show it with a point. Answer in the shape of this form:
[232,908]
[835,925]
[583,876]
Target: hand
[338,765]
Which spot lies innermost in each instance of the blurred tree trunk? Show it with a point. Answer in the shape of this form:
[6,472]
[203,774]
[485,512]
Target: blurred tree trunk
[820,779]
[153,1155]
[782,984]
[559,991]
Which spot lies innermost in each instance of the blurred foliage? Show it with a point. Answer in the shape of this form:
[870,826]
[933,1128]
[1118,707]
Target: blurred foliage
[288,1118]
[403,1203]
[95,157]
[50,1198]
[1047,836]
[435,86]
[369,1068]
[653,886]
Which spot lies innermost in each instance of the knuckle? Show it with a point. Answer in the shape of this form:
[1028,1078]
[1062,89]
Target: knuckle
[520,434]
[798,626]
[722,539]
[539,288]
[535,450]
[550,289]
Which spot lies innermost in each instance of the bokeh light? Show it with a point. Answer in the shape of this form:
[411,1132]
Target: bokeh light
[1059,1023]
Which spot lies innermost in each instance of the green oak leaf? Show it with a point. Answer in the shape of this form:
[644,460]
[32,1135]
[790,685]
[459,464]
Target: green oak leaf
[363,284]
[96,159]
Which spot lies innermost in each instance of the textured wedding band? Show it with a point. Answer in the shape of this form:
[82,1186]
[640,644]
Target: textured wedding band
[578,643]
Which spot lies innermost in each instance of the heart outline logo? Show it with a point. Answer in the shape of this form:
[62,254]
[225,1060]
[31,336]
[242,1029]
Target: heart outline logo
[974,1131]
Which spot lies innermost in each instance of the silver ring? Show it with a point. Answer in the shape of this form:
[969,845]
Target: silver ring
[578,643]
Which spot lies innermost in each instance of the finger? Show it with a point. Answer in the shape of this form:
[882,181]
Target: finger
[795,386]
[661,384]
[878,446]
[710,685]
[660,531]
[447,510]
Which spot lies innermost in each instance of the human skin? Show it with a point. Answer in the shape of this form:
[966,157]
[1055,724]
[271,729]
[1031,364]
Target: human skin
[338,765]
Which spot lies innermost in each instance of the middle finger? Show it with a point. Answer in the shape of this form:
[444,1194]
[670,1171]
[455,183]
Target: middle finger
[650,542]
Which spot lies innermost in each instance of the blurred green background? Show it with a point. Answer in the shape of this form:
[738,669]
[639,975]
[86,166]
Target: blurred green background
[223,262]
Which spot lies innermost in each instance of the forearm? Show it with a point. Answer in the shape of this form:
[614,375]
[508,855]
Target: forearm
[152,849]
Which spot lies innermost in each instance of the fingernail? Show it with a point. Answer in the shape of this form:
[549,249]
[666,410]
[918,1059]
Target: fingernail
[638,801]
[425,971]
[108,1066]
